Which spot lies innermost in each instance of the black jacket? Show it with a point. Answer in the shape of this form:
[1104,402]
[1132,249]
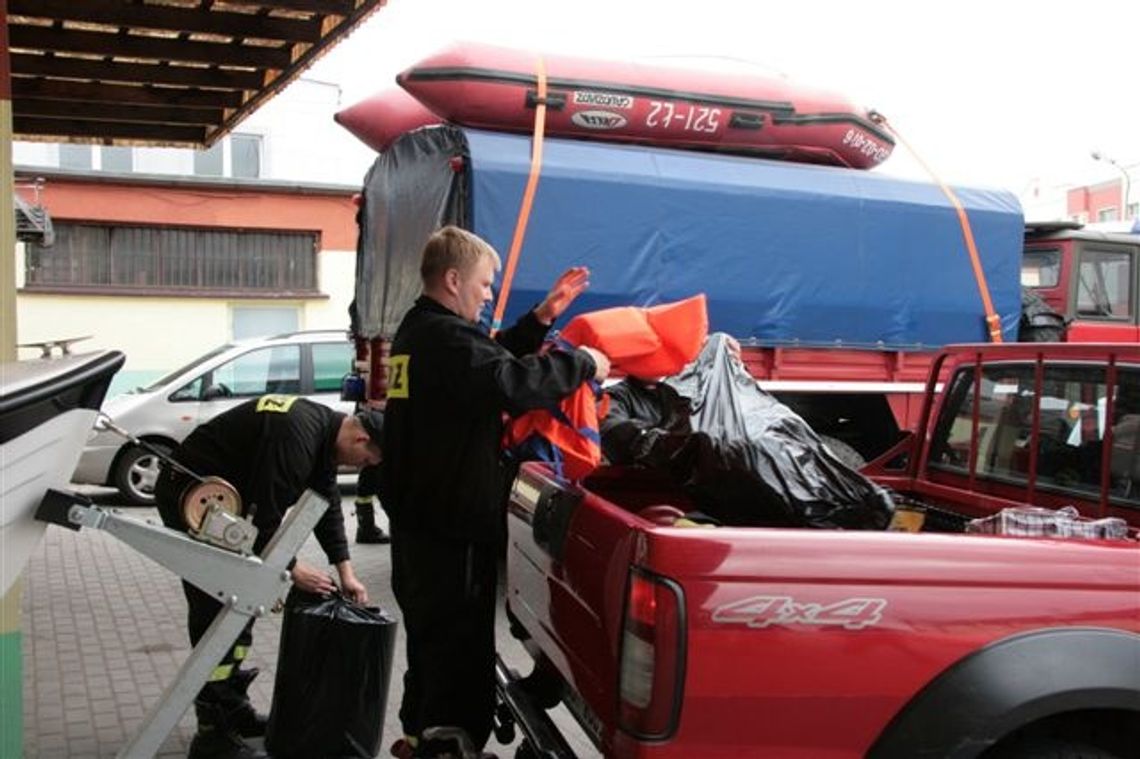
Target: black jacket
[271,449]
[448,387]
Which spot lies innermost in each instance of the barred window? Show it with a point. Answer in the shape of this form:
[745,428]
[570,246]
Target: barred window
[138,258]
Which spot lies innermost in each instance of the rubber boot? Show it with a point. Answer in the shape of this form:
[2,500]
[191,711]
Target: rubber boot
[216,738]
[449,743]
[366,529]
[248,722]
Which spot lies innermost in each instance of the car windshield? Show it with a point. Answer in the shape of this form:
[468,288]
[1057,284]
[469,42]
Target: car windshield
[168,378]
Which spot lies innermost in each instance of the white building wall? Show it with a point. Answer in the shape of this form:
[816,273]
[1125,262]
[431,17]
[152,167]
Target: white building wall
[302,143]
[155,334]
[159,334]
[336,272]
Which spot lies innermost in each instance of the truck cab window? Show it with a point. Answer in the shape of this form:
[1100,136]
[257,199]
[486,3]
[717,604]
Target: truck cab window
[951,447]
[1069,442]
[1125,465]
[1104,285]
[1040,268]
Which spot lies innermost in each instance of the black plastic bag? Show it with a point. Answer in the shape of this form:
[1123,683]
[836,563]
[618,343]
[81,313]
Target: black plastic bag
[745,458]
[333,668]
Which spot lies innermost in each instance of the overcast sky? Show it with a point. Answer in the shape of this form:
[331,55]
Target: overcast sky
[990,92]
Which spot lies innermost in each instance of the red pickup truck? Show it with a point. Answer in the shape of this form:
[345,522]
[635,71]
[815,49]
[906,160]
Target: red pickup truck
[728,641]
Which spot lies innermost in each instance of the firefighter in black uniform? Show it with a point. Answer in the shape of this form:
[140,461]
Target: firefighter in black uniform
[271,449]
[448,387]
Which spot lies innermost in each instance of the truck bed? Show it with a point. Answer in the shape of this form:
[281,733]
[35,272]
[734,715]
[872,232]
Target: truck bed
[807,642]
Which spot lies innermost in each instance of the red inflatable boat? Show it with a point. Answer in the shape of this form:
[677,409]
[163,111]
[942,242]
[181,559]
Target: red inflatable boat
[381,118]
[495,88]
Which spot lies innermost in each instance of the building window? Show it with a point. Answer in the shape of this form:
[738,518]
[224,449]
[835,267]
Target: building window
[205,261]
[208,163]
[245,156]
[1107,214]
[116,159]
[251,321]
[75,157]
[239,155]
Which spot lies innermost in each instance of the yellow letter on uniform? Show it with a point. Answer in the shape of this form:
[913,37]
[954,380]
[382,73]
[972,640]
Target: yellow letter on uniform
[398,385]
[275,403]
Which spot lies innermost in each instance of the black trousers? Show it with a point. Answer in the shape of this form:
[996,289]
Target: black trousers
[446,592]
[222,687]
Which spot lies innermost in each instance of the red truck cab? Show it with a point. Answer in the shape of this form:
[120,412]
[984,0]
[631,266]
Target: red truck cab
[1089,276]
[666,640]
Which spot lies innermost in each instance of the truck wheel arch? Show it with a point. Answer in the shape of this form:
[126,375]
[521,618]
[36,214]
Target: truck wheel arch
[1012,683]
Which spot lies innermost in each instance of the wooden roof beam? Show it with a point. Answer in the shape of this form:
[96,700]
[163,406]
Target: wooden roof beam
[144,114]
[99,131]
[138,73]
[158,49]
[337,7]
[166,18]
[54,89]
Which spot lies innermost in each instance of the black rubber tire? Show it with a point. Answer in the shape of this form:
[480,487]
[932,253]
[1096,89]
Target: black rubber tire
[843,452]
[136,472]
[1044,747]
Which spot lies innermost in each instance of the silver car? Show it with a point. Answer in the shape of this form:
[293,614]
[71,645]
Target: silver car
[310,364]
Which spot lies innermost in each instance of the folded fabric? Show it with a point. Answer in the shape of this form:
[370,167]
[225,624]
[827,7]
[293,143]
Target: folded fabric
[646,343]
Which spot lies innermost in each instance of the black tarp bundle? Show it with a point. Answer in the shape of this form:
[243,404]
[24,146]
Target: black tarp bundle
[1040,323]
[745,458]
[333,668]
[419,184]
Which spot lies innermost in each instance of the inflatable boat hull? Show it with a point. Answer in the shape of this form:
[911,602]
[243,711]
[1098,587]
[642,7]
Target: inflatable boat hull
[381,118]
[495,88]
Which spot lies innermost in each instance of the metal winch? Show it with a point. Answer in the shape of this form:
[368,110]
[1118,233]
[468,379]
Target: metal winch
[211,507]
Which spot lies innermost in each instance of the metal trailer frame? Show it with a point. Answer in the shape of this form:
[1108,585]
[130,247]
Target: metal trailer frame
[247,586]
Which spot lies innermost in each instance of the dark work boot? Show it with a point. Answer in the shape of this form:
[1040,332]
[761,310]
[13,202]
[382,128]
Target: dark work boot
[366,529]
[216,738]
[248,722]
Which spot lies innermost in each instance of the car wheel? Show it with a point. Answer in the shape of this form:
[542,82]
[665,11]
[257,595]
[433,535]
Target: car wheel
[137,472]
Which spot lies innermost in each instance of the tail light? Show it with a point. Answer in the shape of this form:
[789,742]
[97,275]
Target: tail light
[652,662]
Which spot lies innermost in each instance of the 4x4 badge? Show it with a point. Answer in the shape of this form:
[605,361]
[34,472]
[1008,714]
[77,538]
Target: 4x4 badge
[765,611]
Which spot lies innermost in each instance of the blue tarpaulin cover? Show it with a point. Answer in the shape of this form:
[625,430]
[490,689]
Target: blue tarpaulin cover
[786,253]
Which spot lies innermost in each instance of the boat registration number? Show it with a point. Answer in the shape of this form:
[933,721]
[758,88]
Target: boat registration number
[690,118]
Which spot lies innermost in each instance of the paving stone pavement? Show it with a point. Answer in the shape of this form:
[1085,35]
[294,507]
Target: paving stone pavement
[104,633]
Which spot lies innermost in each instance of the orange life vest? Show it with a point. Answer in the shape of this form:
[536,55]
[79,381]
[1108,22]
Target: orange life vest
[646,343]
[567,436]
[642,342]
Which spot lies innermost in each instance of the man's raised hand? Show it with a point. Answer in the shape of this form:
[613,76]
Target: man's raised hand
[566,288]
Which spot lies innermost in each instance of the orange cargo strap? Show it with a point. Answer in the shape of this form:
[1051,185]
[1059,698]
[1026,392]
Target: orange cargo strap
[993,321]
[528,197]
